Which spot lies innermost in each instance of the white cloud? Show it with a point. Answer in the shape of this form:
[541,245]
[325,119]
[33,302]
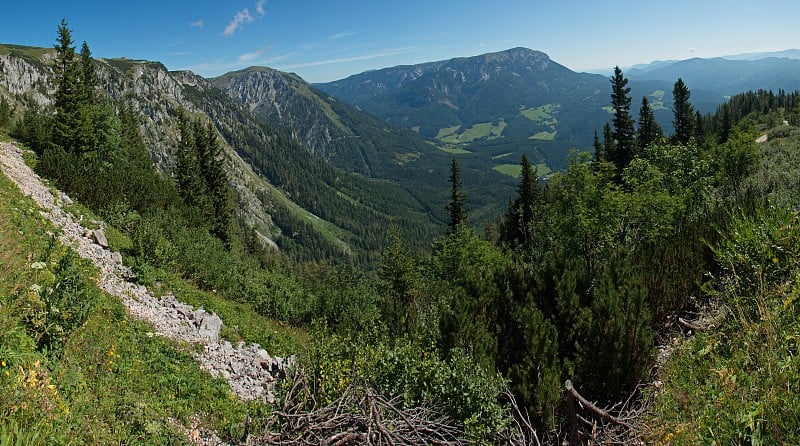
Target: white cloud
[317,63]
[197,24]
[239,19]
[247,57]
[340,35]
[692,50]
[260,8]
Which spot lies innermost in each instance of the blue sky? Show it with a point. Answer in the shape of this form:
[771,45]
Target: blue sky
[323,40]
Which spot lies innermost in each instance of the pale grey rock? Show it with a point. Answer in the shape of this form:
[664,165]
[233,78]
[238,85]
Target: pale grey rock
[100,237]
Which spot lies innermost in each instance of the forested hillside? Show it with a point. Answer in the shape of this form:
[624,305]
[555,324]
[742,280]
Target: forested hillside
[581,286]
[280,199]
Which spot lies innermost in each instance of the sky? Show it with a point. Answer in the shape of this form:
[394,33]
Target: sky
[325,40]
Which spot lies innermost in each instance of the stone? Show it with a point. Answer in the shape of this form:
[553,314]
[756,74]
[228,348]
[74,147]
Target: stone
[210,327]
[100,237]
[263,359]
[116,258]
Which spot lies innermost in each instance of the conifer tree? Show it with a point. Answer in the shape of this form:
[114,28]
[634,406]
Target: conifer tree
[599,152]
[725,125]
[6,112]
[89,82]
[520,214]
[608,143]
[623,131]
[458,201]
[683,114]
[699,127]
[649,130]
[67,91]
[190,185]
[201,178]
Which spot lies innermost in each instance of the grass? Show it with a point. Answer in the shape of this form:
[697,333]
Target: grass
[483,130]
[453,150]
[112,381]
[447,131]
[542,114]
[657,103]
[544,136]
[514,170]
[403,158]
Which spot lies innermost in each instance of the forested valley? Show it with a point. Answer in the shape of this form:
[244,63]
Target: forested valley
[584,279]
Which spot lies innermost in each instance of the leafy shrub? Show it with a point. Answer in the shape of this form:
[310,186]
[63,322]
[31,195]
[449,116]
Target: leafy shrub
[759,251]
[457,385]
[58,305]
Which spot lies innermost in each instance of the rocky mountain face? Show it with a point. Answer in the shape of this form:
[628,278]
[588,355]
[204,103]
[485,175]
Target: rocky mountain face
[286,100]
[283,189]
[347,137]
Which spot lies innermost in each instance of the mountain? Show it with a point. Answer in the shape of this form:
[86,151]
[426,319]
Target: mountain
[356,141]
[731,74]
[291,196]
[468,91]
[498,106]
[349,138]
[789,54]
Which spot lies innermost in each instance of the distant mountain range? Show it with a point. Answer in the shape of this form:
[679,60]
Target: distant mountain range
[498,106]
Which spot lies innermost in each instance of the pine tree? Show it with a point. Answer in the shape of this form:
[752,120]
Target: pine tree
[609,148]
[649,130]
[520,214]
[699,127]
[683,120]
[212,168]
[189,182]
[67,92]
[201,178]
[458,201]
[725,125]
[6,112]
[623,131]
[89,82]
[599,152]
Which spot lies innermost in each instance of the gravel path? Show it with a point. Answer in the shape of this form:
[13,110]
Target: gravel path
[249,369]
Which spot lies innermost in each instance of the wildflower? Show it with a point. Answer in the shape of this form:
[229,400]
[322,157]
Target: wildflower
[35,288]
[2,363]
[38,265]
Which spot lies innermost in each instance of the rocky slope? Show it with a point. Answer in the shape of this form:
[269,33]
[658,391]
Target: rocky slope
[249,370]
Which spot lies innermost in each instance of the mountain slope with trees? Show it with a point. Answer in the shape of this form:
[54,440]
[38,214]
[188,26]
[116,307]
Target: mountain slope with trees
[280,199]
[491,333]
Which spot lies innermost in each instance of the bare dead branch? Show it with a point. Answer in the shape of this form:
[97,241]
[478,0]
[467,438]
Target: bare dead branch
[359,416]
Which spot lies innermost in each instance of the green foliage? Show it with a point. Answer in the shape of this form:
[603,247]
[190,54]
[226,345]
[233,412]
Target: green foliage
[71,364]
[6,113]
[464,391]
[623,149]
[57,304]
[683,113]
[458,200]
[202,181]
[34,129]
[737,383]
[649,130]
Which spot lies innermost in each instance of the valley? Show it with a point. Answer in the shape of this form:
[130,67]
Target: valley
[493,249]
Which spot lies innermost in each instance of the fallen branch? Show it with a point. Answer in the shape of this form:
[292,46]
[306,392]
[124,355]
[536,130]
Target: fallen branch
[588,405]
[359,416]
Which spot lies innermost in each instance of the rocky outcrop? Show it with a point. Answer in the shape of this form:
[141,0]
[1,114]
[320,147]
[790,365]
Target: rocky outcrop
[249,369]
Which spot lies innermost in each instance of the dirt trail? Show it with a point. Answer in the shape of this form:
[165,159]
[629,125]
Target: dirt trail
[249,369]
